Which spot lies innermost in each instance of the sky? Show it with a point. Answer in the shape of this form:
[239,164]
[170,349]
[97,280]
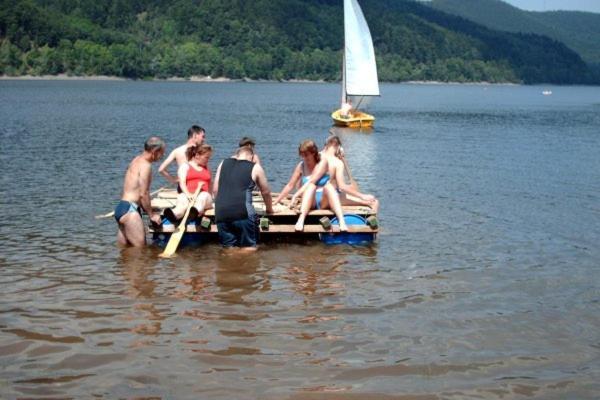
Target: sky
[549,5]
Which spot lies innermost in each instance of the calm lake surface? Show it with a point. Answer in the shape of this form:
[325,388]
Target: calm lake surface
[483,283]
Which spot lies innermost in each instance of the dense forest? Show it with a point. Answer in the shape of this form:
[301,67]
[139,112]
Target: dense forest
[580,31]
[267,39]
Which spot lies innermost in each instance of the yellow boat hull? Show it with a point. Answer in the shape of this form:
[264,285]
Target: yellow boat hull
[358,119]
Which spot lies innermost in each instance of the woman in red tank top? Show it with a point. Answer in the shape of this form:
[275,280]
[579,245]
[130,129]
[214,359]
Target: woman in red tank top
[191,174]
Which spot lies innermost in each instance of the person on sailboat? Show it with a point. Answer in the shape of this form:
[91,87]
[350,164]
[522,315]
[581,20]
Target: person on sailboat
[346,109]
[331,164]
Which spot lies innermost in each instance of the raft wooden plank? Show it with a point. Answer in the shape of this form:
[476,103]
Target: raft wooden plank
[167,198]
[317,229]
[188,229]
[272,229]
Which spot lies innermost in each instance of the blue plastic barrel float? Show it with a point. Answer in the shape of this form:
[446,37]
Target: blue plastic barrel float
[348,237]
[189,239]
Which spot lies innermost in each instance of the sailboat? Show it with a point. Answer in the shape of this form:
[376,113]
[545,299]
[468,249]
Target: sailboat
[359,70]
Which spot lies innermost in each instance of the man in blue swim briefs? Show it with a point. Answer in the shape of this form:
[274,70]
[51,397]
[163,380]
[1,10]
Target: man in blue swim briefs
[136,193]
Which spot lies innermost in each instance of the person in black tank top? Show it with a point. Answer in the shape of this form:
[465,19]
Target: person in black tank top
[236,178]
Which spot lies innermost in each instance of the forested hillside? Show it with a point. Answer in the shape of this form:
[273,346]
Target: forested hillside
[580,31]
[267,39]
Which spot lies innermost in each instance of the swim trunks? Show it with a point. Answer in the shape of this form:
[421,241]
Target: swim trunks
[125,207]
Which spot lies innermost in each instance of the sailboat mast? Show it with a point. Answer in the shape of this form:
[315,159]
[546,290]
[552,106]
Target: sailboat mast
[344,99]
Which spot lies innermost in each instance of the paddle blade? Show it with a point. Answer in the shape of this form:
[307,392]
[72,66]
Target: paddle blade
[178,234]
[174,240]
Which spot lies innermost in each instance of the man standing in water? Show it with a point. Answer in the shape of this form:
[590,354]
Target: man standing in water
[236,177]
[136,193]
[195,137]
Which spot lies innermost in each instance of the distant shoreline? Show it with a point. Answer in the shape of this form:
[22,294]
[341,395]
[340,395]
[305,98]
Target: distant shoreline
[65,77]
[204,79]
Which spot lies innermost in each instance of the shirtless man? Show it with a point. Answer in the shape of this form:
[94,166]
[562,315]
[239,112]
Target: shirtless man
[136,193]
[195,137]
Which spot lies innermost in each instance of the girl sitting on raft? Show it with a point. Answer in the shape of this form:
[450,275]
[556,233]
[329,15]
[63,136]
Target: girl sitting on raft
[309,153]
[193,173]
[331,166]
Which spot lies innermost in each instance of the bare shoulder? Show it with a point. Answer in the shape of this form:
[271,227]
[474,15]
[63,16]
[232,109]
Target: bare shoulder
[180,155]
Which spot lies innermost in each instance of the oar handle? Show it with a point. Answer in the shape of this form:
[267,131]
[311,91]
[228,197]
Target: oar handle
[347,167]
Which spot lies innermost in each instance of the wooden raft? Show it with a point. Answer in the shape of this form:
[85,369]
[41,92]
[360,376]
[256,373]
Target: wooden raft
[282,221]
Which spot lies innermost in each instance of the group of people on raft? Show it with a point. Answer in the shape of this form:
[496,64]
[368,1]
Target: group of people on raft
[318,178]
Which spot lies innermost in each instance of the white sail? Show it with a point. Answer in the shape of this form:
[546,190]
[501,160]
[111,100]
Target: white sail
[360,68]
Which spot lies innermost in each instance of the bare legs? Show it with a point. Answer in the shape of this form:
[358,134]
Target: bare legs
[308,199]
[348,200]
[332,200]
[203,203]
[334,203]
[131,230]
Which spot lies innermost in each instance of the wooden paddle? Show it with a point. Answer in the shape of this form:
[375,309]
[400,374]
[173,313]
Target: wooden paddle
[178,234]
[112,213]
[347,168]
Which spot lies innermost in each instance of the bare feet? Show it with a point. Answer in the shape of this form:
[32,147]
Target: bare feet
[375,206]
[299,227]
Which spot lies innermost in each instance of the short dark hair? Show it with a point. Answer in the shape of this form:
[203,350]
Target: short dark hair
[154,143]
[194,130]
[247,141]
[244,149]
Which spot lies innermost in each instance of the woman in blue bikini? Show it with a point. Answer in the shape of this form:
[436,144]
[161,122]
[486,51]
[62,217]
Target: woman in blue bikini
[309,153]
[322,194]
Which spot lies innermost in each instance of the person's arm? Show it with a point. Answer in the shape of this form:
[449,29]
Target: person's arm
[163,168]
[256,159]
[296,175]
[349,189]
[215,188]
[145,182]
[258,175]
[317,173]
[182,172]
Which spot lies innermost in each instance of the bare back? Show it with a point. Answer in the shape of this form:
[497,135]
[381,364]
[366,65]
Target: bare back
[335,168]
[179,154]
[137,179]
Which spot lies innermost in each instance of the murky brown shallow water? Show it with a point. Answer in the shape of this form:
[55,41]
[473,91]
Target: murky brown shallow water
[482,284]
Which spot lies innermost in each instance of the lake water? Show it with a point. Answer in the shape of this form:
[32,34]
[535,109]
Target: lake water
[483,283]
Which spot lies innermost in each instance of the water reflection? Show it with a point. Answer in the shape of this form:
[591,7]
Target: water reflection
[238,275]
[483,284]
[137,265]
